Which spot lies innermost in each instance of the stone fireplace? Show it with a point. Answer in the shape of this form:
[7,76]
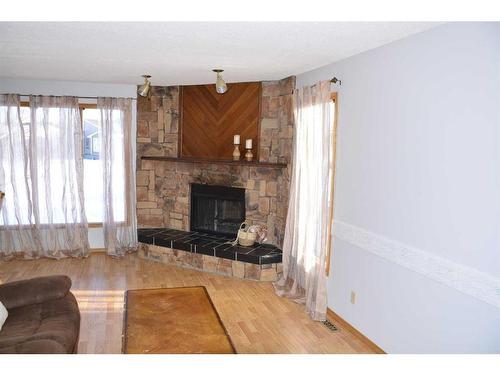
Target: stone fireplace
[166,206]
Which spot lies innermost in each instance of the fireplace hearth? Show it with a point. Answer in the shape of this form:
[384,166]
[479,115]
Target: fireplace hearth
[216,209]
[210,253]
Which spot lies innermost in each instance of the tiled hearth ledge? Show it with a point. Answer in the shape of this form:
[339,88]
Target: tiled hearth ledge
[192,250]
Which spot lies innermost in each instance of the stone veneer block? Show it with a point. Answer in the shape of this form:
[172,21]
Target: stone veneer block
[268,274]
[238,269]
[263,205]
[197,261]
[279,268]
[209,264]
[252,271]
[224,267]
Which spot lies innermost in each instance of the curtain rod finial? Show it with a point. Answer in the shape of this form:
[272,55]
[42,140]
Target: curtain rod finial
[335,80]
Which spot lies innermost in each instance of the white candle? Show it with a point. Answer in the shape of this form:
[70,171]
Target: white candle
[248,144]
[236,139]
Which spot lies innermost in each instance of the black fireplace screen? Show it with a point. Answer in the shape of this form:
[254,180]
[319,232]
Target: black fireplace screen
[217,209]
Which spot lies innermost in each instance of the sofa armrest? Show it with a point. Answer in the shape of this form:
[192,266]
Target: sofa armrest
[33,291]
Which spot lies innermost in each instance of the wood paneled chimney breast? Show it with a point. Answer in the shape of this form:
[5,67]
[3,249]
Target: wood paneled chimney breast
[210,120]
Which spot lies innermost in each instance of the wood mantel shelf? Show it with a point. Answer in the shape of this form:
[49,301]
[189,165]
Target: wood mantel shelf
[215,161]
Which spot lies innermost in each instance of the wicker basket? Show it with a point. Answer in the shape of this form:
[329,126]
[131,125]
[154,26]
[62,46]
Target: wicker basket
[246,238]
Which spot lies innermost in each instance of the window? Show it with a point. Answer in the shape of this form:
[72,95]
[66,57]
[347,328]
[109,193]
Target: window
[92,163]
[96,145]
[92,169]
[7,169]
[47,158]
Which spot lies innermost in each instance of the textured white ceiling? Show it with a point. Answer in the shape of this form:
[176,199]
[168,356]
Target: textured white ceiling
[185,53]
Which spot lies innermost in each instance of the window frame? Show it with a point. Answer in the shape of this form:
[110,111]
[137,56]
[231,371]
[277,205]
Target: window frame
[335,100]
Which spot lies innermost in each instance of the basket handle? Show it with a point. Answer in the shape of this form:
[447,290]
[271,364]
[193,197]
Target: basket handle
[244,226]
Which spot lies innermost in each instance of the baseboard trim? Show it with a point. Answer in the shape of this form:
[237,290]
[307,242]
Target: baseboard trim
[98,250]
[341,323]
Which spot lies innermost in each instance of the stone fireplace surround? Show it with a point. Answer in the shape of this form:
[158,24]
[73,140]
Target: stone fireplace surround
[163,187]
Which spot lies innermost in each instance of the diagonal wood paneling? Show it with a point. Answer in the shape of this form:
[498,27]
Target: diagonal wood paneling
[210,120]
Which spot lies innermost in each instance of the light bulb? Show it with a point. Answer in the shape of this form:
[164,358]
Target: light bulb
[220,85]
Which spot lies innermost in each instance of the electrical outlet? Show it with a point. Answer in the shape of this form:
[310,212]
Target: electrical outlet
[353,297]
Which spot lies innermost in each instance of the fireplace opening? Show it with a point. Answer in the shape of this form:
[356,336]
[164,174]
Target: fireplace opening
[217,209]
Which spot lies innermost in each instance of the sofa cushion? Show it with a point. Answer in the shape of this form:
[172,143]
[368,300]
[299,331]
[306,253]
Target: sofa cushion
[34,291]
[48,327]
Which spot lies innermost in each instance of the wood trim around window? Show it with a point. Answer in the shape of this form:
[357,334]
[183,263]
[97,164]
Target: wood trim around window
[329,237]
[127,159]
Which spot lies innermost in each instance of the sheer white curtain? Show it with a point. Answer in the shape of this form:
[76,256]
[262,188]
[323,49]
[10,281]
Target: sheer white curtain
[304,248]
[41,174]
[118,158]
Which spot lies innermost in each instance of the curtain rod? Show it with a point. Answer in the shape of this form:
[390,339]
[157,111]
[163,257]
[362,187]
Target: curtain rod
[79,97]
[334,80]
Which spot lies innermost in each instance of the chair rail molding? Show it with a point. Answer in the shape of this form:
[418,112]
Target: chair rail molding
[468,280]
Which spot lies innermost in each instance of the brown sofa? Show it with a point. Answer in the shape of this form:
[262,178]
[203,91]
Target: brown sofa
[43,317]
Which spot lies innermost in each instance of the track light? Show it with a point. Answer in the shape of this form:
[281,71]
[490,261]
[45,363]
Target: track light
[220,85]
[143,90]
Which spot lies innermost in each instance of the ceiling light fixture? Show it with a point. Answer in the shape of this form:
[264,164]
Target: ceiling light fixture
[220,85]
[143,90]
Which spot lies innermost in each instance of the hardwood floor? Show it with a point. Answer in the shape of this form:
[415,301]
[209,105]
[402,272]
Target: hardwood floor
[257,320]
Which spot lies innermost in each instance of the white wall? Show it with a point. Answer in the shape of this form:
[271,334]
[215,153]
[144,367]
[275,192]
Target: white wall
[418,189]
[41,87]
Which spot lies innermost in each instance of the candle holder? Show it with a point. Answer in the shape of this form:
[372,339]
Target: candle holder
[236,153]
[236,143]
[248,146]
[249,155]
